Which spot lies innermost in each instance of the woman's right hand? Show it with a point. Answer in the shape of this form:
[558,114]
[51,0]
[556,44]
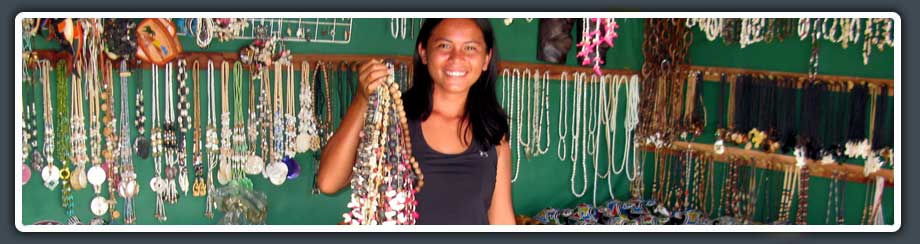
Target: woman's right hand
[370,75]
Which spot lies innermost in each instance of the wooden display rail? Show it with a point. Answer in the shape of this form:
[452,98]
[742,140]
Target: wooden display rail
[712,74]
[555,70]
[775,161]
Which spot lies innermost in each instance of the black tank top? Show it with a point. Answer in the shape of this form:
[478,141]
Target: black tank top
[458,187]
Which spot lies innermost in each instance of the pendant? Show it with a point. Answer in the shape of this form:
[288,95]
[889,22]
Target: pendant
[26,174]
[254,164]
[78,178]
[183,182]
[302,143]
[157,184]
[99,206]
[128,189]
[277,173]
[293,168]
[223,175]
[142,147]
[50,175]
[96,175]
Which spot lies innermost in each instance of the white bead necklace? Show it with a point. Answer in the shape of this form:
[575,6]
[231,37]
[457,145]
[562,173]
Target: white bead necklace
[516,113]
[579,99]
[563,129]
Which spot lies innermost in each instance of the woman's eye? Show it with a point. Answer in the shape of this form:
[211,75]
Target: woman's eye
[443,45]
[471,48]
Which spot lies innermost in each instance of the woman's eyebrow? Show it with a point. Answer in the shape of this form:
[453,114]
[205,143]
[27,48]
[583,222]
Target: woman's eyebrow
[451,41]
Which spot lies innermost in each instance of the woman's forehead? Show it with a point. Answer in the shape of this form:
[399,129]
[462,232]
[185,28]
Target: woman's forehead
[457,30]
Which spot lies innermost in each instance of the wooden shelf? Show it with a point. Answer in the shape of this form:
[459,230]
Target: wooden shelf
[555,70]
[775,161]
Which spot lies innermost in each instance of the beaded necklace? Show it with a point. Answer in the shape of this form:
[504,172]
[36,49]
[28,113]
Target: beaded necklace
[308,138]
[211,142]
[182,124]
[224,173]
[385,173]
[50,173]
[516,115]
[78,139]
[63,130]
[290,130]
[127,186]
[576,132]
[563,119]
[170,139]
[199,189]
[157,184]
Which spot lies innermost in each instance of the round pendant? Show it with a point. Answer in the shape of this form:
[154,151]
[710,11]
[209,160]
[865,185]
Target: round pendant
[293,168]
[223,175]
[254,165]
[302,143]
[99,206]
[50,173]
[157,184]
[142,147]
[277,173]
[26,174]
[96,175]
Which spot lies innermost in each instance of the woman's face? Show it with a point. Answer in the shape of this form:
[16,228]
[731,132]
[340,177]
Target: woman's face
[455,55]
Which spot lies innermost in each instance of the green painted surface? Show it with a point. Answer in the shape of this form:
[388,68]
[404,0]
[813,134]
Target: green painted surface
[543,181]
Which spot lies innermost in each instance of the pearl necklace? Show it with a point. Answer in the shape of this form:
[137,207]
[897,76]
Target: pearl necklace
[630,122]
[544,115]
[611,116]
[601,119]
[516,93]
[563,129]
[577,112]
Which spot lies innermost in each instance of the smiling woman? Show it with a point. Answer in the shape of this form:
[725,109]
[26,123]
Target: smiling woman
[457,128]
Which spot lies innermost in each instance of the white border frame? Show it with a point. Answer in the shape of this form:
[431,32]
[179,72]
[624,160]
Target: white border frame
[461,228]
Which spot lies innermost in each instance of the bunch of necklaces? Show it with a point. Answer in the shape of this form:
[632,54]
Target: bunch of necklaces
[386,176]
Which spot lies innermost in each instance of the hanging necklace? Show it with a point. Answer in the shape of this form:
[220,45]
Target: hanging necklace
[157,184]
[277,170]
[254,163]
[171,142]
[325,125]
[183,122]
[78,139]
[290,127]
[50,173]
[563,129]
[240,152]
[212,142]
[127,186]
[610,117]
[308,138]
[224,172]
[199,189]
[516,81]
[525,110]
[601,119]
[99,204]
[579,100]
[63,130]
[544,114]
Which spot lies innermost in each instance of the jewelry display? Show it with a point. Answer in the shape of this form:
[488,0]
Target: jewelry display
[386,175]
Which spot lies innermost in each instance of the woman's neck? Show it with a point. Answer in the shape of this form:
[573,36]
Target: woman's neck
[448,105]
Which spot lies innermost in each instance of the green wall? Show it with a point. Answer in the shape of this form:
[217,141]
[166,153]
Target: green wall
[543,181]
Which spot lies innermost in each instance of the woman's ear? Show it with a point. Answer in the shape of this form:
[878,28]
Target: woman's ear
[485,66]
[422,54]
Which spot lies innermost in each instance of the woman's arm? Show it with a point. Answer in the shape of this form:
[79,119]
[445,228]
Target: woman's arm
[501,211]
[338,156]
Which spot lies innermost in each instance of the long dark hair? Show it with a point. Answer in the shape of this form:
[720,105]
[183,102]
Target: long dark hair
[484,116]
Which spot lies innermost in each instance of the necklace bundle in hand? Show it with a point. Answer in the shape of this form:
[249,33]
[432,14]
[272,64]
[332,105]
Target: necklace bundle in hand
[385,174]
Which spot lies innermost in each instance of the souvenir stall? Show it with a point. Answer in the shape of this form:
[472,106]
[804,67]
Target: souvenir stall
[613,121]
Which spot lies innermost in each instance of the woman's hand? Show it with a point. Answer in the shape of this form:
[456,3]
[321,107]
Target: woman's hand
[370,75]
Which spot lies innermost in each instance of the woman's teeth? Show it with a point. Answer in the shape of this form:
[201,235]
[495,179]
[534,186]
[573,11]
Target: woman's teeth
[456,73]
